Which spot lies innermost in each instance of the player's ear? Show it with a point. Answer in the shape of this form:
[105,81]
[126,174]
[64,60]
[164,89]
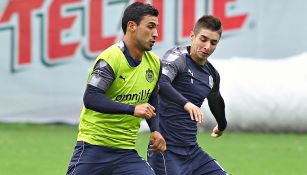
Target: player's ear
[192,34]
[131,26]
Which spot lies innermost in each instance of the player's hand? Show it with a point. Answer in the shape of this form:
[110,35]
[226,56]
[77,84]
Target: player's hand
[157,142]
[144,111]
[194,111]
[216,132]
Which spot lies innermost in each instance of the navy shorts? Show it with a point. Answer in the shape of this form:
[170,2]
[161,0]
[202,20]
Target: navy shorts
[90,159]
[184,161]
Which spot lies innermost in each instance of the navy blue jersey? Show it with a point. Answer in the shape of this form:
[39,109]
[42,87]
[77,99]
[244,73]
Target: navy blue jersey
[190,82]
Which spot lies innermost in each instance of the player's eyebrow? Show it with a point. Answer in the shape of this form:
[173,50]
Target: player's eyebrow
[204,36]
[153,23]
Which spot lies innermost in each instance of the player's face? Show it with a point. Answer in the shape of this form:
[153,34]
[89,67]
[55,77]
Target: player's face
[146,32]
[203,44]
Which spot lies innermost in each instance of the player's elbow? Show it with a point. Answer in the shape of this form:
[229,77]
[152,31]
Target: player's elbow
[87,101]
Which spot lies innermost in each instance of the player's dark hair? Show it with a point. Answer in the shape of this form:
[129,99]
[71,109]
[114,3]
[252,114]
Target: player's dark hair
[135,12]
[208,22]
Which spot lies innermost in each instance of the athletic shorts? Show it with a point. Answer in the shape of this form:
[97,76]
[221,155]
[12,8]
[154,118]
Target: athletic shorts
[90,159]
[184,161]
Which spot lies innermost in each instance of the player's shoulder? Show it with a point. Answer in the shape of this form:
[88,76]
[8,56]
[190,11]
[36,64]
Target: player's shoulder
[175,54]
[212,69]
[109,53]
[113,51]
[210,65]
[153,55]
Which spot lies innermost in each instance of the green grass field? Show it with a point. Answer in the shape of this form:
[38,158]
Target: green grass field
[27,149]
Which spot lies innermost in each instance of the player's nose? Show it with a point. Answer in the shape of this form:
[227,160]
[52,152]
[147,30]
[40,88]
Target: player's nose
[206,46]
[155,33]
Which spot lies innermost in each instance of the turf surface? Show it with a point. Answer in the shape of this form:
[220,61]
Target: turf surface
[46,150]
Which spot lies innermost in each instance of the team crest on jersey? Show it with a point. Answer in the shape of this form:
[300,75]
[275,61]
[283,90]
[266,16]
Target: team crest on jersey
[211,83]
[149,75]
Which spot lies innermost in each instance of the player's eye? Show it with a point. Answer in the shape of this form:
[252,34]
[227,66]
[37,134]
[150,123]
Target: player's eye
[202,39]
[213,43]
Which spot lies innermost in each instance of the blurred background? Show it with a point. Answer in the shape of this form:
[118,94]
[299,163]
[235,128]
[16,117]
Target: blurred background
[47,48]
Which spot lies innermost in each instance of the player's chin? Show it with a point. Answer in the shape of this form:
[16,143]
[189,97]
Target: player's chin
[203,56]
[149,48]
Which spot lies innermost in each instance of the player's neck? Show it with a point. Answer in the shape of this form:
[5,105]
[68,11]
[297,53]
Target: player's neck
[135,52]
[199,61]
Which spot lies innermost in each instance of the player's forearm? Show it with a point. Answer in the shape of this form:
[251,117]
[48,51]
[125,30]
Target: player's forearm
[95,99]
[217,107]
[153,123]
[169,92]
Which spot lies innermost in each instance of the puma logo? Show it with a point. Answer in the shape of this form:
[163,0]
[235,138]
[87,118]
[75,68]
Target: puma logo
[122,77]
[192,76]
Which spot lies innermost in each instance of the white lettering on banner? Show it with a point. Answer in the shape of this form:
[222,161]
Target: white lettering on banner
[69,26]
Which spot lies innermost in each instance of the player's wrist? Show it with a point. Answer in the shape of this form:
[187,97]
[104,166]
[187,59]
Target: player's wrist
[220,129]
[131,110]
[184,102]
[187,102]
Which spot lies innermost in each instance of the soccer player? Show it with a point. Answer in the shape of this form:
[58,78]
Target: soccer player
[121,90]
[187,79]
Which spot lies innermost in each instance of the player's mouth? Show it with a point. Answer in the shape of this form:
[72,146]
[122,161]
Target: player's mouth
[204,53]
[152,42]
